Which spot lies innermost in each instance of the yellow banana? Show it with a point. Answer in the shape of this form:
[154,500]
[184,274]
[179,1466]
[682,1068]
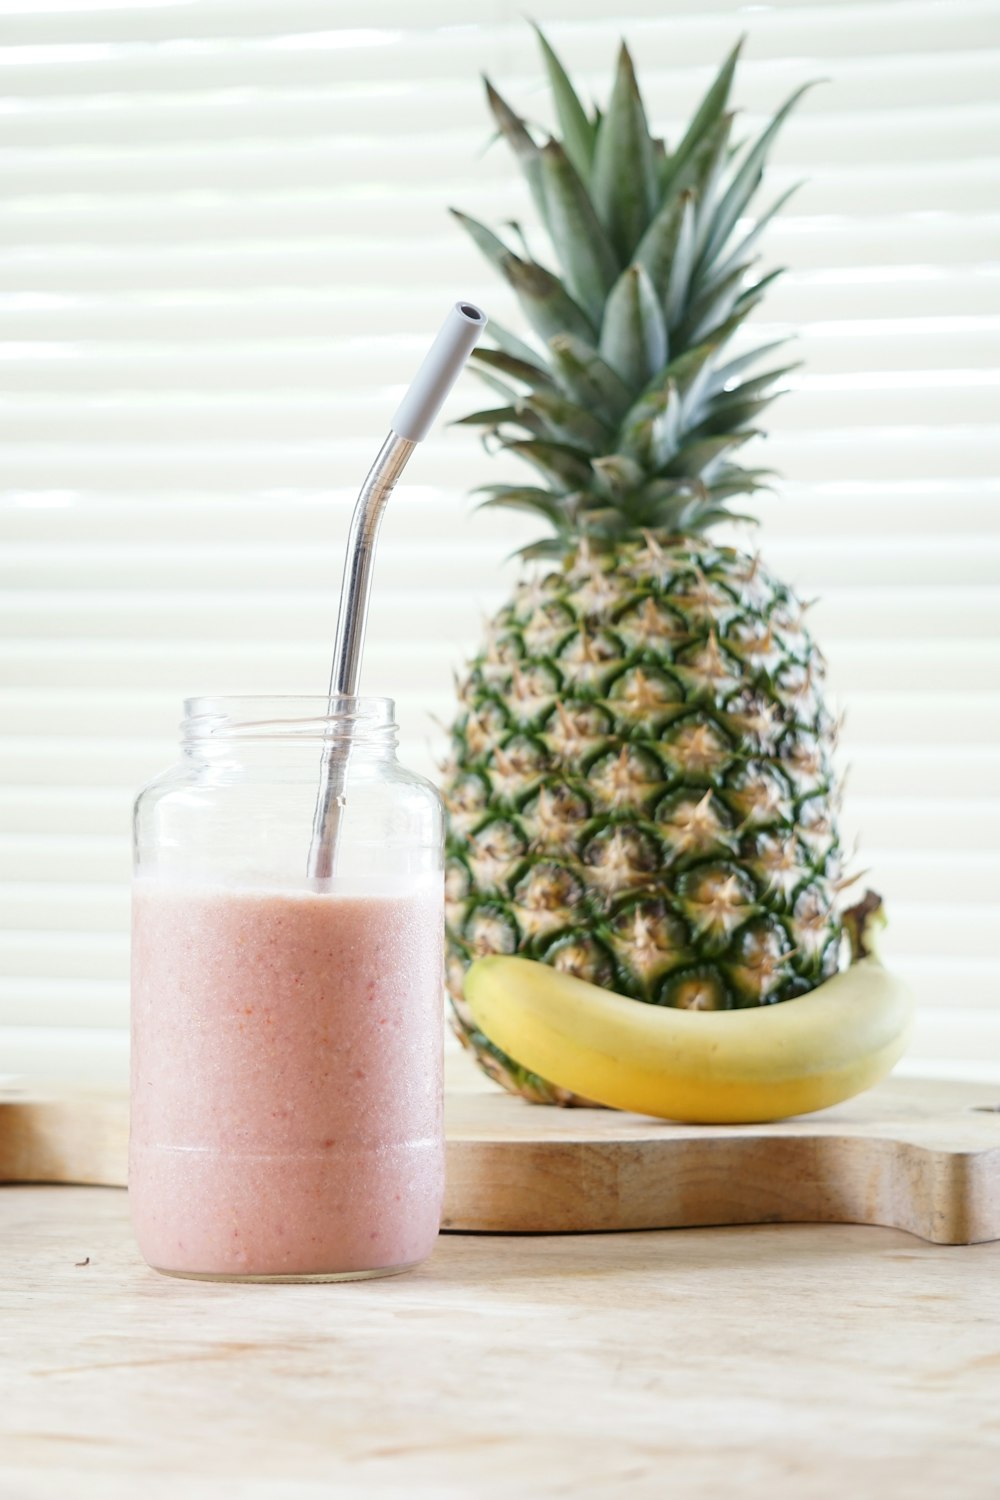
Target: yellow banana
[712,1067]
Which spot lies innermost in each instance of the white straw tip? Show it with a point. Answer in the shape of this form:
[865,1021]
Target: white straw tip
[457,337]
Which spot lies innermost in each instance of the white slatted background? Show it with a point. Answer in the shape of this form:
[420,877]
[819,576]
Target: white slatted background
[224,247]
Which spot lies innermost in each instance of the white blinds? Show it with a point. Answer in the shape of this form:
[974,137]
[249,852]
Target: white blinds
[224,247]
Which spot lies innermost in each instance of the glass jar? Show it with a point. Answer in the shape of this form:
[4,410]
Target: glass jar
[286,1030]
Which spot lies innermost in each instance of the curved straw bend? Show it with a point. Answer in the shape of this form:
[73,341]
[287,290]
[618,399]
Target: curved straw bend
[414,417]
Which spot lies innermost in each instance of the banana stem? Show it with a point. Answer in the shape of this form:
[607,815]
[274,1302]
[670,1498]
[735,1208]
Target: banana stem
[864,923]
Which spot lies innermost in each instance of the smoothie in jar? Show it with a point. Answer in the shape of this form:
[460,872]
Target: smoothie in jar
[286,1078]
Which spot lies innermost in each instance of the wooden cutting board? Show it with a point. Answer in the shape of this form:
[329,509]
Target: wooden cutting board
[915,1155]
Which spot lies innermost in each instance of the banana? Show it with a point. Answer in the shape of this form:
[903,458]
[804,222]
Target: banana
[708,1067]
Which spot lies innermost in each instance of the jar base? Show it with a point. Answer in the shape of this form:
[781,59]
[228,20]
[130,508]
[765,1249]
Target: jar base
[294,1278]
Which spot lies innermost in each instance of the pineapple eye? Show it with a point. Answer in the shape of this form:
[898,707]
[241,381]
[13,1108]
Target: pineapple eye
[813,923]
[778,862]
[698,988]
[693,824]
[696,749]
[709,669]
[493,849]
[802,754]
[545,898]
[621,857]
[579,719]
[549,887]
[717,898]
[584,658]
[755,720]
[490,929]
[795,685]
[650,625]
[457,882]
[467,795]
[816,827]
[754,642]
[572,729]
[642,694]
[701,599]
[759,796]
[547,626]
[522,756]
[583,957]
[758,961]
[594,594]
[555,813]
[650,924]
[503,651]
[649,941]
[625,778]
[483,727]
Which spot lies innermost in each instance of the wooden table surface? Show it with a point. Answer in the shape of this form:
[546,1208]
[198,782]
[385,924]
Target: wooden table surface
[807,1362]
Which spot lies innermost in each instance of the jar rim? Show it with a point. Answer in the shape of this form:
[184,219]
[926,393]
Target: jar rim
[289,716]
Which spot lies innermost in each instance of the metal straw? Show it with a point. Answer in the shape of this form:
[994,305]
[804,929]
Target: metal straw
[442,365]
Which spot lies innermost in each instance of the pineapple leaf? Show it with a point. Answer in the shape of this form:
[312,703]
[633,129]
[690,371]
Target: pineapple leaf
[723,374]
[524,370]
[653,433]
[491,417]
[739,484]
[538,502]
[506,392]
[706,172]
[699,516]
[759,385]
[682,373]
[588,379]
[634,334]
[754,294]
[548,547]
[739,253]
[517,136]
[746,181]
[664,510]
[546,303]
[577,131]
[584,251]
[510,344]
[661,162]
[566,422]
[681,267]
[666,430]
[564,467]
[706,117]
[491,245]
[623,179]
[711,310]
[654,264]
[700,459]
[730,415]
[657,249]
[617,476]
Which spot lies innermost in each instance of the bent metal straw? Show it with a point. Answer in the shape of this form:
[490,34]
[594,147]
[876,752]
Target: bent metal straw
[415,414]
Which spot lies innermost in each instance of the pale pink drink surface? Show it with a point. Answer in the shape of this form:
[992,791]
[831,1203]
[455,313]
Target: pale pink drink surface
[286,1079]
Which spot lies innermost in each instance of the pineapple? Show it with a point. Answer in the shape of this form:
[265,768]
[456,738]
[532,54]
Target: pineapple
[640,790]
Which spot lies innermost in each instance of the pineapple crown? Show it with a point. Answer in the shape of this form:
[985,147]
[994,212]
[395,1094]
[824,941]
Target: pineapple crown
[628,406]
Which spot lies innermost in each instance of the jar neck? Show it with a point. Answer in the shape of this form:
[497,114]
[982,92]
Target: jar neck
[365,726]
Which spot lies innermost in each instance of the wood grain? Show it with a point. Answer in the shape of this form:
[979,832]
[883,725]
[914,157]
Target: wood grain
[777,1363]
[916,1155]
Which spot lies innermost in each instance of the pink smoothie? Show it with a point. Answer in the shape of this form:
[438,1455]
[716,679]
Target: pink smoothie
[286,1079]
